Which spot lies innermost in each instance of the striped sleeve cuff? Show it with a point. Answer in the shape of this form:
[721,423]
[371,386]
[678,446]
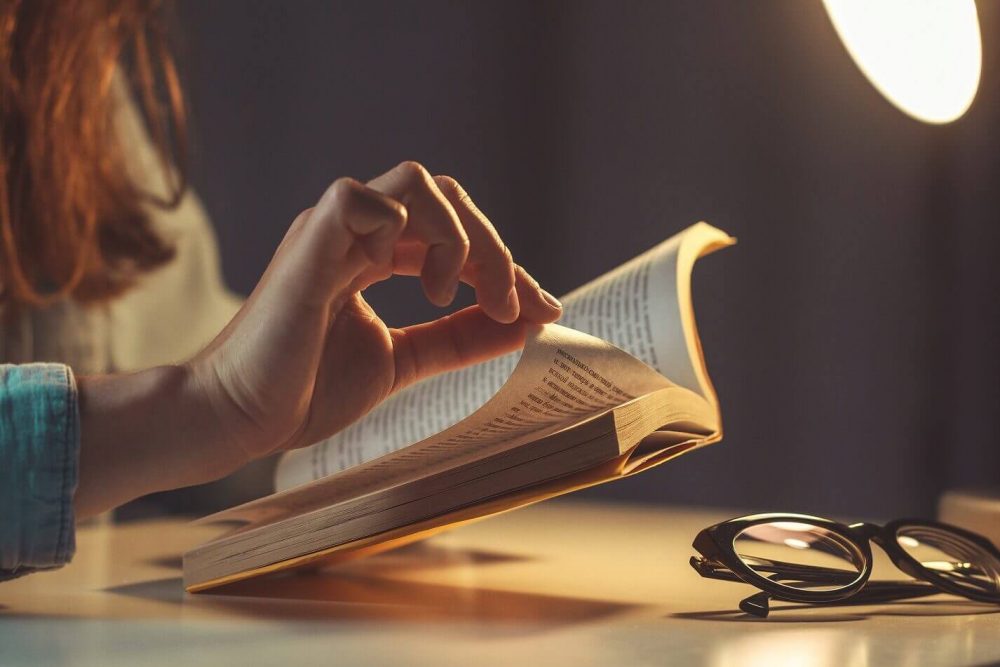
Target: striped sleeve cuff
[39,458]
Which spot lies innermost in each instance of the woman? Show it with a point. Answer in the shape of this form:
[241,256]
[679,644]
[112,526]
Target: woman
[103,253]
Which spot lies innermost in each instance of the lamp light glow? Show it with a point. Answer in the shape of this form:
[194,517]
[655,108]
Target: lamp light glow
[796,543]
[924,56]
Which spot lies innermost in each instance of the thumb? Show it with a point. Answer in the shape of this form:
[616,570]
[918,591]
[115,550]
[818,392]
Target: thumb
[461,339]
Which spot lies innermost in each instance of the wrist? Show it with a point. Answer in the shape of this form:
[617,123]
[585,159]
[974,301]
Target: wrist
[145,432]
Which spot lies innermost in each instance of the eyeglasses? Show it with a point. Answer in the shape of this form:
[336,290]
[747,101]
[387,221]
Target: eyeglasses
[798,558]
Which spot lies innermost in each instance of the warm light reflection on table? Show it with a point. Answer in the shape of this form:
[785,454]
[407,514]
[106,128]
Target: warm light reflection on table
[560,583]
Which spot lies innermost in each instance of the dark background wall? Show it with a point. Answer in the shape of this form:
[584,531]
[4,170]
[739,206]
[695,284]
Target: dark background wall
[852,333]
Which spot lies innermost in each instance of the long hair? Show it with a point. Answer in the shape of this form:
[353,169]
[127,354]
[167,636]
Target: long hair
[72,222]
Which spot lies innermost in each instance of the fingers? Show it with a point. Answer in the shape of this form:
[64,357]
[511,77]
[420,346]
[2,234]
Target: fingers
[351,228]
[504,289]
[434,223]
[408,222]
[490,267]
[454,341]
[440,208]
[370,219]
[536,305]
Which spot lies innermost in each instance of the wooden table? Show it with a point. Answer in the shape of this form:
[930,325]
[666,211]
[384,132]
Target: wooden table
[562,583]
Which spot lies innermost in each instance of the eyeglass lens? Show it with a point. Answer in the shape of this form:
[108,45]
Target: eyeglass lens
[959,560]
[800,555]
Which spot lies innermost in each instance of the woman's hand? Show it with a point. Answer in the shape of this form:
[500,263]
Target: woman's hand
[306,355]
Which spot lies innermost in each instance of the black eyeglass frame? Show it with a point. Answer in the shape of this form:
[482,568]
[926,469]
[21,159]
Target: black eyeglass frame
[716,544]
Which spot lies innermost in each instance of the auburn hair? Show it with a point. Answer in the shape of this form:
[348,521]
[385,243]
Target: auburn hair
[72,222]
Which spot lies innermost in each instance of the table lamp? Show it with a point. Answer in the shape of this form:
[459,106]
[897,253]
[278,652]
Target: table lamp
[924,56]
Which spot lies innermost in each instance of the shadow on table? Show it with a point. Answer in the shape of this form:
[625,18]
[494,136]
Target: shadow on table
[380,588]
[842,613]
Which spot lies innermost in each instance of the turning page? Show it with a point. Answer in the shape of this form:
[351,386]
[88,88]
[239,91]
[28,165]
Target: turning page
[562,378]
[642,307]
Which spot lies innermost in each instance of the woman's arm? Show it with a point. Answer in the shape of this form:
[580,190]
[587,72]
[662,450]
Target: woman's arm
[145,432]
[306,355]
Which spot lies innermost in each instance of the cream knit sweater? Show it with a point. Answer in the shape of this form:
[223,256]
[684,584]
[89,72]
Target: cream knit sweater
[172,312]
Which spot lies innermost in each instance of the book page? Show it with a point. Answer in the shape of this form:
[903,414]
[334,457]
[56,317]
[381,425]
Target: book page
[642,307]
[563,377]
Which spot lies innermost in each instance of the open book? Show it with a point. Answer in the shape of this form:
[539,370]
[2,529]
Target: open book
[617,387]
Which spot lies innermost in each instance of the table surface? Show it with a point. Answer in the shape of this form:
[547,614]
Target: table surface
[559,583]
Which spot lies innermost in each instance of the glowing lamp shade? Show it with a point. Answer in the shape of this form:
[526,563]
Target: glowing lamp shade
[924,56]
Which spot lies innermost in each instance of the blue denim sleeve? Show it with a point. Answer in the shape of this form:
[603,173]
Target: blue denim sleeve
[39,456]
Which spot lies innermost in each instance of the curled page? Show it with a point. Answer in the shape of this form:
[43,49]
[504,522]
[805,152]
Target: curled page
[642,307]
[563,377]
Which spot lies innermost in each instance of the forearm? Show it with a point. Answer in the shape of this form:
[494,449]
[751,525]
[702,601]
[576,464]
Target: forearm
[145,432]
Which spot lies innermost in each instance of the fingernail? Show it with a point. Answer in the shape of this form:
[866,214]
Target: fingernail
[552,301]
